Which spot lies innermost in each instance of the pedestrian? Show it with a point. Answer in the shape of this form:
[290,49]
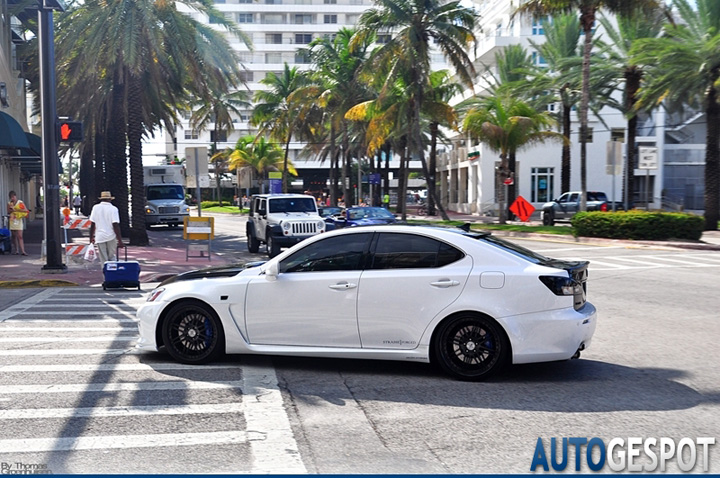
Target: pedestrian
[386,201]
[77,203]
[18,212]
[105,228]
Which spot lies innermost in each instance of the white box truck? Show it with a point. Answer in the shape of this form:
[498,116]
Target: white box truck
[165,195]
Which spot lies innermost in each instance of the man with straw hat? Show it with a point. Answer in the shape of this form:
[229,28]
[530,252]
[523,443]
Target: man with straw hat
[105,228]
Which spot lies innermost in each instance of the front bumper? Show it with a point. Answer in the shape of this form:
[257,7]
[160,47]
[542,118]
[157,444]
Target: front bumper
[165,219]
[550,335]
[288,241]
[148,315]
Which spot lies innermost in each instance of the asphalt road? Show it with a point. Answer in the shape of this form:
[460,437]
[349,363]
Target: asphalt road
[75,397]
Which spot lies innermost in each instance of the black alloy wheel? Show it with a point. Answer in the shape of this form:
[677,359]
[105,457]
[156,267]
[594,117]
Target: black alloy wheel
[192,333]
[471,347]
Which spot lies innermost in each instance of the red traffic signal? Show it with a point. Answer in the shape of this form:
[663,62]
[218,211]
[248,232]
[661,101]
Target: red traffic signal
[70,131]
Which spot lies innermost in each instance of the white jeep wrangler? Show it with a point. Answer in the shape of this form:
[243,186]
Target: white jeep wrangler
[282,220]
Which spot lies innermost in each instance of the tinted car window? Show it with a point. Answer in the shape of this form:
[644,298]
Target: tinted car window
[596,196]
[410,251]
[342,253]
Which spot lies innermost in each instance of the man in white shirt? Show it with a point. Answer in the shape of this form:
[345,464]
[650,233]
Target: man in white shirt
[105,228]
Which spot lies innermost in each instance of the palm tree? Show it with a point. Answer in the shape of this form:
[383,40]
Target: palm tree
[257,155]
[125,65]
[617,57]
[277,113]
[218,108]
[683,67]
[415,24]
[507,124]
[440,113]
[588,10]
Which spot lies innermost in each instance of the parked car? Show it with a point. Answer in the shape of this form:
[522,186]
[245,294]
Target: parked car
[328,211]
[363,216]
[568,204]
[396,292]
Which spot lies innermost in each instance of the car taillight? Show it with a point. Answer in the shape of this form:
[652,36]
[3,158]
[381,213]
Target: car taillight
[603,207]
[562,285]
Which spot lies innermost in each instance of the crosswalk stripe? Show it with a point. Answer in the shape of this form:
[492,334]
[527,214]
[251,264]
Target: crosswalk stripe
[74,306]
[13,328]
[644,264]
[12,311]
[103,338]
[29,353]
[97,412]
[107,442]
[117,387]
[595,263]
[109,367]
[75,312]
[87,320]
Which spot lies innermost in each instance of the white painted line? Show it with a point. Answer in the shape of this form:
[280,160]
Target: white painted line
[93,320]
[694,263]
[594,265]
[109,367]
[130,411]
[578,248]
[104,338]
[11,329]
[265,413]
[101,307]
[14,310]
[642,264]
[28,353]
[75,312]
[107,442]
[116,387]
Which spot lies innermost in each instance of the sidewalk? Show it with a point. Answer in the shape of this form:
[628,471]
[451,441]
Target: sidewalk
[158,261]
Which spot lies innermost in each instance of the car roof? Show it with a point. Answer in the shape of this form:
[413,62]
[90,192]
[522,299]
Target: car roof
[282,195]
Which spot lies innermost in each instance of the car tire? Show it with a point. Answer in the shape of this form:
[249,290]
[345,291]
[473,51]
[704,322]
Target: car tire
[471,347]
[548,218]
[273,249]
[253,243]
[192,333]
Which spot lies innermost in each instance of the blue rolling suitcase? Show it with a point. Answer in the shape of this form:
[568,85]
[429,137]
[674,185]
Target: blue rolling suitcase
[121,274]
[5,241]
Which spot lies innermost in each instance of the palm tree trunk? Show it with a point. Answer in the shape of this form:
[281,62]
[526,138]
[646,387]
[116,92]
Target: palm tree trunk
[712,159]
[345,165]
[116,161]
[432,166]
[512,189]
[402,183]
[138,233]
[87,174]
[333,166]
[587,20]
[421,153]
[285,164]
[632,85]
[501,174]
[565,162]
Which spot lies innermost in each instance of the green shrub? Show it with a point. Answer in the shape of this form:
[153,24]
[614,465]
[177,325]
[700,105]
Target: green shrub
[207,204]
[636,224]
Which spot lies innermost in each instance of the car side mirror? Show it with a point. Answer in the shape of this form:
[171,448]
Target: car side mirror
[271,271]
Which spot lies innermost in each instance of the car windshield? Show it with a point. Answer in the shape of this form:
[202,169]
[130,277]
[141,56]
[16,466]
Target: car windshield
[330,211]
[369,212]
[165,191]
[292,205]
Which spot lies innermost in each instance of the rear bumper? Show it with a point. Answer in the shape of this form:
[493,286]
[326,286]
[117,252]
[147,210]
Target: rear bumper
[550,335]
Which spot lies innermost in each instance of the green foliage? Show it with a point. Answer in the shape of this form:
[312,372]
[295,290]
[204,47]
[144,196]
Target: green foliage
[638,225]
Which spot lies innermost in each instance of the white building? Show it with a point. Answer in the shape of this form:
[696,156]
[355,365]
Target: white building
[467,172]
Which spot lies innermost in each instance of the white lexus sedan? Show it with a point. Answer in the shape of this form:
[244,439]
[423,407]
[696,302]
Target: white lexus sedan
[468,301]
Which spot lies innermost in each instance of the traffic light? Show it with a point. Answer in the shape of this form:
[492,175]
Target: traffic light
[69,131]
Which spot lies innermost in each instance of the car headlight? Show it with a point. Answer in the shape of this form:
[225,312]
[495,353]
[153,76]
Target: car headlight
[321,225]
[186,208]
[149,210]
[286,226]
[155,294]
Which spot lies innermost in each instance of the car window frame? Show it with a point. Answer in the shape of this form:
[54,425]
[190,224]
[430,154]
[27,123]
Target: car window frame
[373,250]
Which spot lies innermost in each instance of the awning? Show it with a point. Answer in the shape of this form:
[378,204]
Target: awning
[12,136]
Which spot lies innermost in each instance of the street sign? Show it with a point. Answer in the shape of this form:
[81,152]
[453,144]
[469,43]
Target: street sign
[647,157]
[614,158]
[522,208]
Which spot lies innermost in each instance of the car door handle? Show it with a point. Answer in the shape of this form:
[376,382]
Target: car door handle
[444,283]
[343,286]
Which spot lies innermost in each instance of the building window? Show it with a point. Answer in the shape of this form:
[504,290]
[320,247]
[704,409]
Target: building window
[244,1]
[330,2]
[330,18]
[617,134]
[273,57]
[273,2]
[191,134]
[302,19]
[589,135]
[247,76]
[538,59]
[273,18]
[537,26]
[303,38]
[302,58]
[221,137]
[245,18]
[384,39]
[329,36]
[273,38]
[542,184]
[352,19]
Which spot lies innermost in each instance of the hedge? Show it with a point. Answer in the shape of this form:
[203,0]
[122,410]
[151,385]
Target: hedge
[637,224]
